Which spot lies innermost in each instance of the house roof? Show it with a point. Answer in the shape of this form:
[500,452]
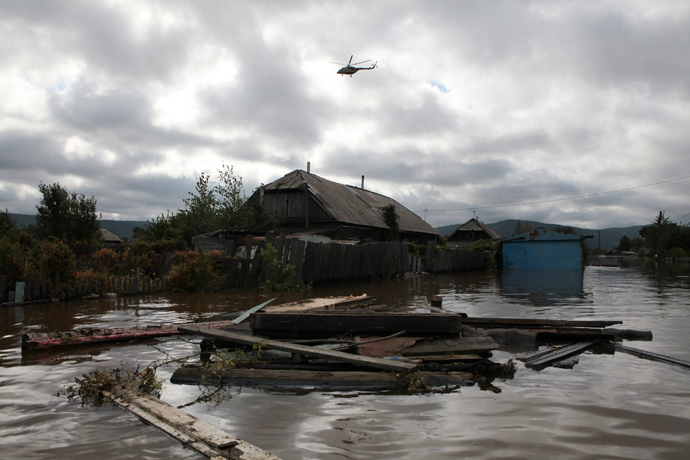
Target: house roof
[475,225]
[109,236]
[541,234]
[348,204]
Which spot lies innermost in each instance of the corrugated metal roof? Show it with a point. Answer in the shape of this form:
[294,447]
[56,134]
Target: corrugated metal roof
[541,234]
[350,204]
[475,225]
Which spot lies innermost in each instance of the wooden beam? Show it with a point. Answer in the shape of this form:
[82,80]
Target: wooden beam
[246,314]
[197,434]
[42,340]
[544,358]
[322,380]
[379,323]
[516,322]
[298,349]
[652,356]
[461,345]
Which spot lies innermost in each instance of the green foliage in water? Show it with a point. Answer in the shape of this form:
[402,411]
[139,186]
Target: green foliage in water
[89,388]
[492,248]
[277,275]
[195,271]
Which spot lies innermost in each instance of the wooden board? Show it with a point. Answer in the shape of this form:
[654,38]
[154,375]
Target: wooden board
[323,303]
[197,434]
[339,380]
[652,356]
[43,340]
[246,314]
[528,322]
[544,358]
[451,358]
[298,349]
[460,345]
[356,323]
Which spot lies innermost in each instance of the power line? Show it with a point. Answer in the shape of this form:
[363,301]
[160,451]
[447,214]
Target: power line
[554,199]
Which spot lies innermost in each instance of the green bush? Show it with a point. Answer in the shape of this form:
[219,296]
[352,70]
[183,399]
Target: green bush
[278,275]
[491,248]
[195,271]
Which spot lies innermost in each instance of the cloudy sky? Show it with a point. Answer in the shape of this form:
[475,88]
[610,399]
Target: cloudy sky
[510,109]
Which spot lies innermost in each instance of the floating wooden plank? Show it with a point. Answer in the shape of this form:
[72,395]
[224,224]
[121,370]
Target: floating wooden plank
[197,434]
[321,380]
[453,346]
[43,340]
[544,358]
[586,334]
[298,349]
[246,314]
[391,346]
[451,358]
[523,322]
[323,303]
[358,323]
[652,356]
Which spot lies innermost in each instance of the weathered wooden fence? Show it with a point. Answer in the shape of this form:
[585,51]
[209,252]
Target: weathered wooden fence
[453,260]
[314,263]
[333,262]
[42,287]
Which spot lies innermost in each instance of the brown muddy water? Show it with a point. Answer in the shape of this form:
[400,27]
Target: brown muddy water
[607,407]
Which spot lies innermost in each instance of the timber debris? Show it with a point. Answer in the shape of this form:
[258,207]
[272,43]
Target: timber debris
[337,344]
[192,432]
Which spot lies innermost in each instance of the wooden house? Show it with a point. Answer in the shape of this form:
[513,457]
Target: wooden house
[110,238]
[471,231]
[308,204]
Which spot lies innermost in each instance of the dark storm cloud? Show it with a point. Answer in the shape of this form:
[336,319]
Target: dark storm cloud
[20,150]
[83,108]
[428,118]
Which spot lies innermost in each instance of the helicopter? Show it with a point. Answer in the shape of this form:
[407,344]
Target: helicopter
[350,68]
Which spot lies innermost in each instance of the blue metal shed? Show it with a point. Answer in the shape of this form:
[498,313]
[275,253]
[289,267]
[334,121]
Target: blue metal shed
[543,250]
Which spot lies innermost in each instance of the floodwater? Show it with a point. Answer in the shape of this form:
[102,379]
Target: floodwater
[607,407]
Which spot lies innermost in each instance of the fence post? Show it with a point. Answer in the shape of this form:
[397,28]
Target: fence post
[19,292]
[3,280]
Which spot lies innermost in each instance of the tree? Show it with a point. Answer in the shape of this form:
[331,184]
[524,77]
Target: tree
[392,219]
[625,244]
[522,227]
[201,209]
[71,218]
[231,199]
[7,223]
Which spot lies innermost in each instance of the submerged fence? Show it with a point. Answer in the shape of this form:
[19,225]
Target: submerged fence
[334,262]
[244,264]
[44,287]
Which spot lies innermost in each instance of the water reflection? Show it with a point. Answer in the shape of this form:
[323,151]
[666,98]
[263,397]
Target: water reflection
[542,287]
[609,406]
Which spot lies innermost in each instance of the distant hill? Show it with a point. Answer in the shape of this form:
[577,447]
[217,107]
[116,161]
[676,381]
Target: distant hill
[122,228]
[610,237]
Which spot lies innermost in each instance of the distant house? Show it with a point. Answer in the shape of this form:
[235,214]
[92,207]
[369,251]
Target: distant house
[110,238]
[308,204]
[544,250]
[471,231]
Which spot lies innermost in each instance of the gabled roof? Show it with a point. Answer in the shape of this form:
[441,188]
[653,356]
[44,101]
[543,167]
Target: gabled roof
[348,204]
[475,225]
[109,236]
